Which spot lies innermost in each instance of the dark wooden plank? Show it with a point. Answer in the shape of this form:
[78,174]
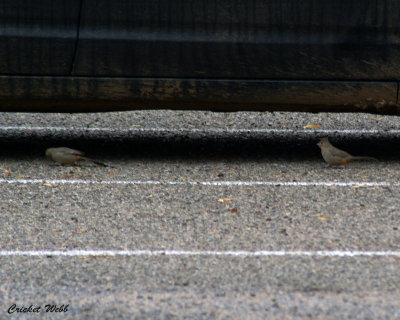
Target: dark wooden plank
[82,94]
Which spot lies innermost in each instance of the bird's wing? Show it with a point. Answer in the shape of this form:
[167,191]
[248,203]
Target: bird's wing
[340,153]
[71,151]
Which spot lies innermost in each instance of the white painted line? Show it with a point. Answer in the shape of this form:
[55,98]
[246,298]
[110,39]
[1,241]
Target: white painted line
[242,253]
[195,130]
[207,183]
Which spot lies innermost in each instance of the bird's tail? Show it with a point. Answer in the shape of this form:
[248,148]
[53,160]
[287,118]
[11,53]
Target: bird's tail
[99,163]
[365,158]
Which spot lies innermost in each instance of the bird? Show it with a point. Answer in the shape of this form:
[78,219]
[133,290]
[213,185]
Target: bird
[336,157]
[68,156]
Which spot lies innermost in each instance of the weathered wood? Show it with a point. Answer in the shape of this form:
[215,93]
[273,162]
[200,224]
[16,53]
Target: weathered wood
[82,94]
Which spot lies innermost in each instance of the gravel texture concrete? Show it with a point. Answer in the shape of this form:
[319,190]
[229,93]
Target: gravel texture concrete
[184,148]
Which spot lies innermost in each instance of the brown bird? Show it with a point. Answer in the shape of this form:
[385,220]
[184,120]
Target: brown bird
[67,156]
[336,157]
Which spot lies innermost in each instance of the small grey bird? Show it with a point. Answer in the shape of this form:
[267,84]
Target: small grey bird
[336,157]
[67,156]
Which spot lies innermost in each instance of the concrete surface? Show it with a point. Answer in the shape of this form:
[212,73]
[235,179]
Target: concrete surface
[171,171]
